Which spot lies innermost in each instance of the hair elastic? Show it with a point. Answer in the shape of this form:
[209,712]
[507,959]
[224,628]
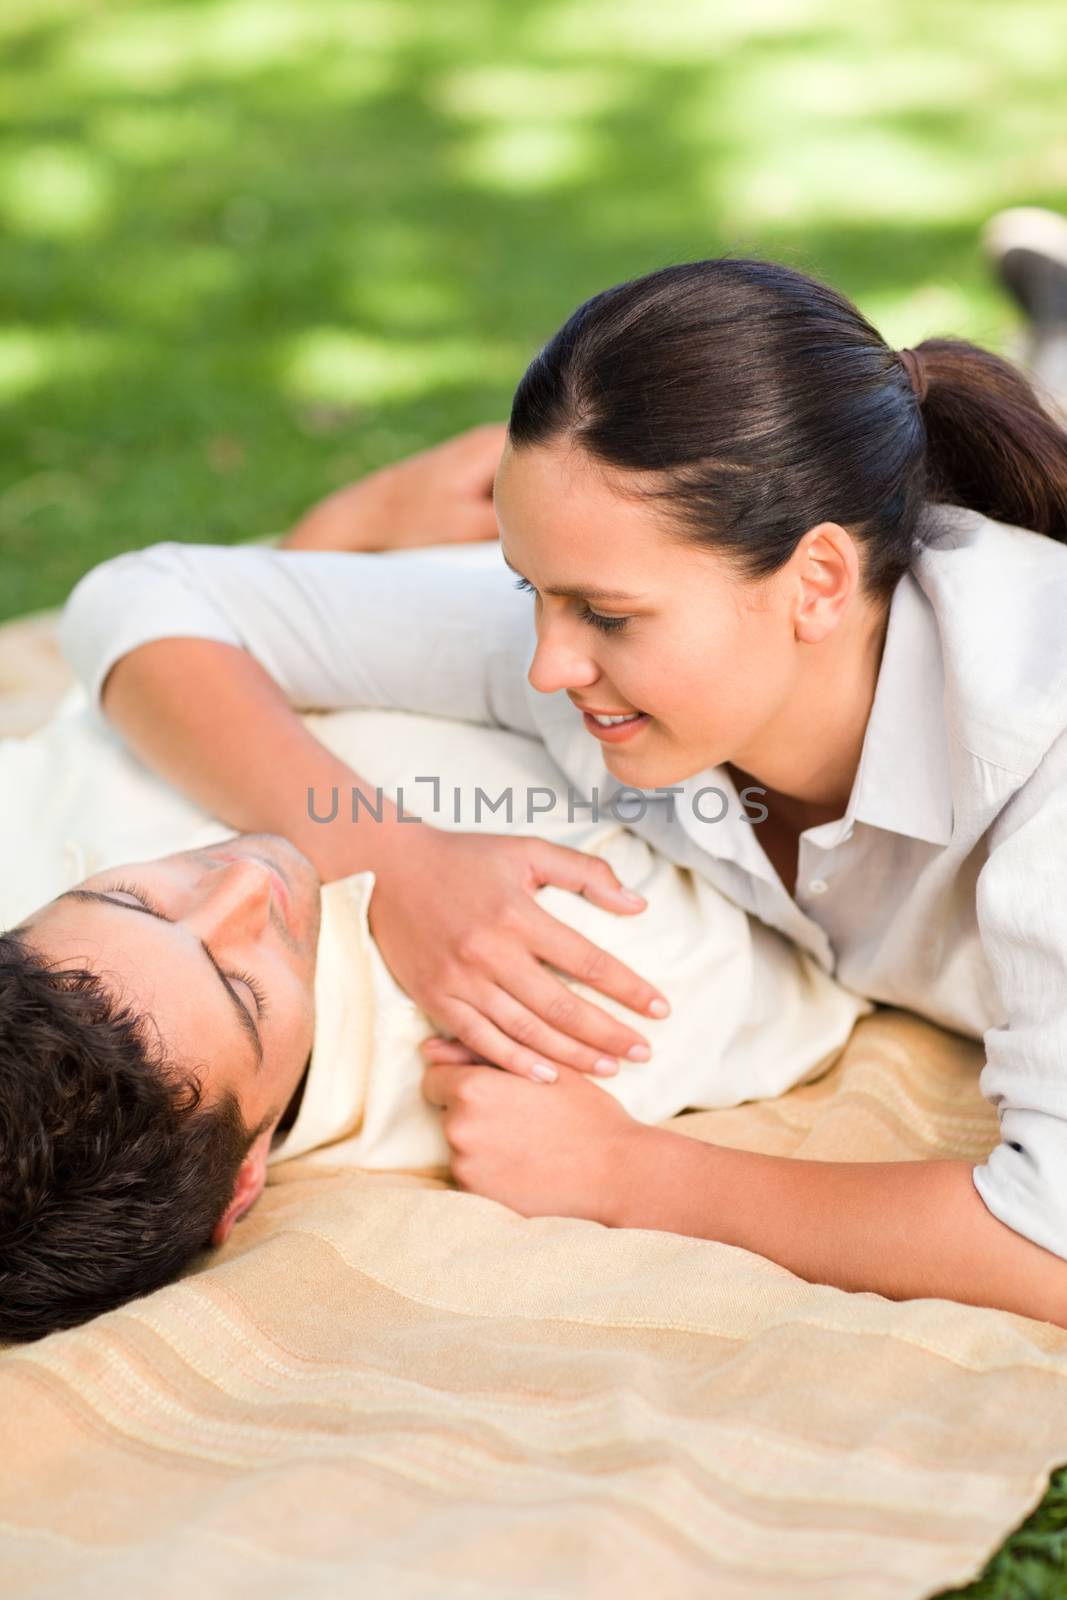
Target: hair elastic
[912,363]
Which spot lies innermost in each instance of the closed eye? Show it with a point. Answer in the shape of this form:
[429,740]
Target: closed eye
[594,618]
[256,989]
[145,906]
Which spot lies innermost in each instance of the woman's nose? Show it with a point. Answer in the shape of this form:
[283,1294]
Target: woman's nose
[557,664]
[233,899]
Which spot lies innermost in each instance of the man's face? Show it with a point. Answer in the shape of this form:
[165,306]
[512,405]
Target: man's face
[217,946]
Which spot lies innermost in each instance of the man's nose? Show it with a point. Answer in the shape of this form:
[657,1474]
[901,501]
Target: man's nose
[560,661]
[232,899]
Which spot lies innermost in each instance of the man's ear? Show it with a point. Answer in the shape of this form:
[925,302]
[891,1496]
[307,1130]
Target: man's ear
[251,1177]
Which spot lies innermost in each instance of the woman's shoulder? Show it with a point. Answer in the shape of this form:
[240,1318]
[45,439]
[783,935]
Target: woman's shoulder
[999,597]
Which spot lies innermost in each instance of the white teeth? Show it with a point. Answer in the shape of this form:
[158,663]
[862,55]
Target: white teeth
[609,722]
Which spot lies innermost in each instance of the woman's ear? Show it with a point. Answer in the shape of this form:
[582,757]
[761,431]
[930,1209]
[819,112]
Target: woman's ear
[828,574]
[251,1178]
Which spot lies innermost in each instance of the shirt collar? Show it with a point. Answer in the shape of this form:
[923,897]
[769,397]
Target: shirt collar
[904,780]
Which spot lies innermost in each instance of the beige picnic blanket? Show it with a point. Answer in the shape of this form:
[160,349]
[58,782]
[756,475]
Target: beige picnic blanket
[384,1386]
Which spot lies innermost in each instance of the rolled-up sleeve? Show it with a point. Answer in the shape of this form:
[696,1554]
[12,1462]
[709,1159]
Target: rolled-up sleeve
[1022,918]
[333,630]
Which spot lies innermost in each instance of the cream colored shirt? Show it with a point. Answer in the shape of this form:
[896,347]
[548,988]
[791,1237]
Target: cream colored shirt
[942,889]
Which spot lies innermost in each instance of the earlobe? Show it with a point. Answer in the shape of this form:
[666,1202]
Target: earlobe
[251,1180]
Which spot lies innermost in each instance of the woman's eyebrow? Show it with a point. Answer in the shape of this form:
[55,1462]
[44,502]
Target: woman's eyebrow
[578,594]
[245,1016]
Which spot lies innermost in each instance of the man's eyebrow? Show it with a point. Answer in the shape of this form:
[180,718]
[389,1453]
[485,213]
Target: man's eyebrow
[243,1013]
[578,594]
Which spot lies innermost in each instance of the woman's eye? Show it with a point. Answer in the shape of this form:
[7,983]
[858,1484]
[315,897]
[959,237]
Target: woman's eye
[605,624]
[594,618]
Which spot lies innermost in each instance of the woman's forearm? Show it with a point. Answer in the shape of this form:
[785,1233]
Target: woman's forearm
[903,1229]
[209,719]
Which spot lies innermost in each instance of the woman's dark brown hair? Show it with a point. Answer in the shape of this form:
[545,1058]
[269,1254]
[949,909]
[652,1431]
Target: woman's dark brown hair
[757,402]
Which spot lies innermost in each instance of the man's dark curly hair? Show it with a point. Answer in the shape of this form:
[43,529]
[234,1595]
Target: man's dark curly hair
[113,1171]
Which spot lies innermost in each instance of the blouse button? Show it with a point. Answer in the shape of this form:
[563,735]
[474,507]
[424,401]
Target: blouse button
[818,886]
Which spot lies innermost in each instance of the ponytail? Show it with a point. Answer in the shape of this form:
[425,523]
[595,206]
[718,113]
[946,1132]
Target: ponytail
[991,446]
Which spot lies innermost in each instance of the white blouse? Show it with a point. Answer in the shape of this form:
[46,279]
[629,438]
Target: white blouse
[942,889]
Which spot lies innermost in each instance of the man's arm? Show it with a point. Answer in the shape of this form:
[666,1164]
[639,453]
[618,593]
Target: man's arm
[903,1229]
[443,495]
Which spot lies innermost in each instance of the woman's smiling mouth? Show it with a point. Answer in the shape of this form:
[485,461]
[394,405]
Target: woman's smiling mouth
[613,726]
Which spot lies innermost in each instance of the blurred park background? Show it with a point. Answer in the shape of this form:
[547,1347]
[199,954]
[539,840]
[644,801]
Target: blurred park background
[253,248]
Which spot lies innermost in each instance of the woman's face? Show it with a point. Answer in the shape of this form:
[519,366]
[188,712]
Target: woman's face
[707,656]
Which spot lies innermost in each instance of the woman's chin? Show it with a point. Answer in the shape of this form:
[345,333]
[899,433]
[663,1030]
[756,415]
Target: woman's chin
[644,770]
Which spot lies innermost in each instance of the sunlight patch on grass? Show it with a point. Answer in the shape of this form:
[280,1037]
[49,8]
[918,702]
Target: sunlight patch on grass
[504,93]
[336,367]
[680,31]
[354,74]
[405,302]
[832,88]
[19,17]
[155,135]
[1024,38]
[33,357]
[875,175]
[167,47]
[526,158]
[55,191]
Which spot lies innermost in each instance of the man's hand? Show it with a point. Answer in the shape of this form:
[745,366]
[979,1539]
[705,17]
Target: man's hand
[443,495]
[546,1150]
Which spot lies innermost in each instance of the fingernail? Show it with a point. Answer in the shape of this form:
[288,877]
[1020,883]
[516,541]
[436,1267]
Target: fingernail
[659,1008]
[543,1073]
[639,1052]
[632,894]
[605,1067]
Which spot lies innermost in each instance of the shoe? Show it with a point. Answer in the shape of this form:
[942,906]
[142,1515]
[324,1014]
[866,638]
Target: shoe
[1027,248]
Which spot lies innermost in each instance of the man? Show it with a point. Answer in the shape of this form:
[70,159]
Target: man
[170,1027]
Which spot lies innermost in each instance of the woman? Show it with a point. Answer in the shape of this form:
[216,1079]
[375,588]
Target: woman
[769,553]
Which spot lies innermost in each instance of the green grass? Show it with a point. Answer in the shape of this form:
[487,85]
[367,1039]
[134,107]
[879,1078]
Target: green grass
[253,248]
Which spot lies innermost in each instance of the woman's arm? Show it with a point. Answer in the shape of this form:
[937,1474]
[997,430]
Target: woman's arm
[902,1229]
